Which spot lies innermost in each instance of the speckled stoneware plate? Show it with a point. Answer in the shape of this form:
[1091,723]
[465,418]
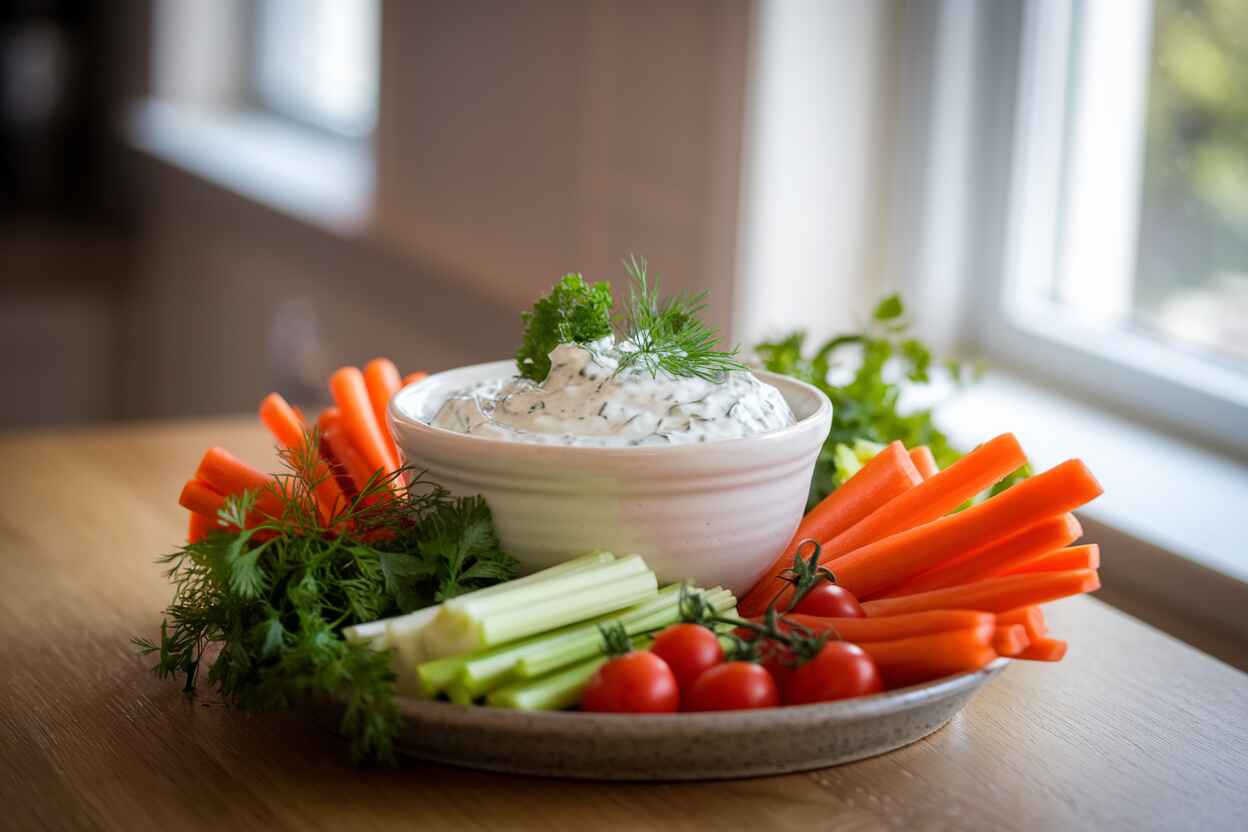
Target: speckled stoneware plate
[706,746]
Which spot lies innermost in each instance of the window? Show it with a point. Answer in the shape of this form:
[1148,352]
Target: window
[316,61]
[1126,255]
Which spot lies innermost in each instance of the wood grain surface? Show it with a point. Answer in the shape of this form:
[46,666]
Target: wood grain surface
[1133,731]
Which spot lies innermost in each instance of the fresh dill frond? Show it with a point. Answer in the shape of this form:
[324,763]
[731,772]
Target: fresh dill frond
[273,599]
[668,334]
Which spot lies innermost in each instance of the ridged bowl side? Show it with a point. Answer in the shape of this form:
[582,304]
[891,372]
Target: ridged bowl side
[713,513]
[704,746]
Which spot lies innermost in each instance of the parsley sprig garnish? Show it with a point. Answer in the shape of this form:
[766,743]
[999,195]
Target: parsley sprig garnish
[866,406]
[272,600]
[654,334]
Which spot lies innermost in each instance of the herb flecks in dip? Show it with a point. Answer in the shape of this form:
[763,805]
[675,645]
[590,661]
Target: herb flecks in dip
[586,400]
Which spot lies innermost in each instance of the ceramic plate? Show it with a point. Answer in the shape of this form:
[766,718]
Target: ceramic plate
[704,746]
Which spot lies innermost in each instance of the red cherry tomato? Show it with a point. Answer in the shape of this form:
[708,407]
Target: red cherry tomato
[688,649]
[840,670]
[830,600]
[733,686]
[635,683]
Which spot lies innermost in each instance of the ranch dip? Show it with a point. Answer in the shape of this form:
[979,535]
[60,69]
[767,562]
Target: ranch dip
[584,401]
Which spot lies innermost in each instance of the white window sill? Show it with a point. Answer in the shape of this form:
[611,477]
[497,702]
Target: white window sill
[296,170]
[1178,497]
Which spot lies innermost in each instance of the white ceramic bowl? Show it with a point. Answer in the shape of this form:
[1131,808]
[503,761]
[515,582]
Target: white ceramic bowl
[715,513]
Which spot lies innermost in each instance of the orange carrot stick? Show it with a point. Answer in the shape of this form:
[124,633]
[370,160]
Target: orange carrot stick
[886,475]
[346,461]
[1031,618]
[1045,650]
[227,474]
[199,497]
[910,661]
[895,627]
[412,378]
[381,378]
[290,431]
[1087,556]
[924,462]
[1010,639]
[893,560]
[201,525]
[358,421]
[993,594]
[932,498]
[986,562]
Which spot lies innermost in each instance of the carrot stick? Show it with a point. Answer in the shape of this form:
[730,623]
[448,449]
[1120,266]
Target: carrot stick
[1087,556]
[886,475]
[1031,618]
[199,497]
[924,462]
[345,461]
[895,627]
[1045,650]
[201,525]
[290,431]
[985,562]
[993,594]
[932,498]
[381,378]
[909,661]
[227,474]
[1010,639]
[358,421]
[412,378]
[893,560]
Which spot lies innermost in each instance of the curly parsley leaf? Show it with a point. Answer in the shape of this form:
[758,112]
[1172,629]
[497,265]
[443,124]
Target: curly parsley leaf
[574,312]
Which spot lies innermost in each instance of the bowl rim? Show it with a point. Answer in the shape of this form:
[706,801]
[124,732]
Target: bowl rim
[822,413]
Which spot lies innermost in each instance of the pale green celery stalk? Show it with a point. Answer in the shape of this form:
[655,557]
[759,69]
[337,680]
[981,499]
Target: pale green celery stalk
[866,450]
[847,463]
[556,691]
[593,601]
[480,672]
[556,655]
[392,632]
[465,624]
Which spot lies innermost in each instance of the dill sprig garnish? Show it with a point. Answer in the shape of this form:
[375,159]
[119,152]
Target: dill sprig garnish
[667,334]
[274,598]
[654,334]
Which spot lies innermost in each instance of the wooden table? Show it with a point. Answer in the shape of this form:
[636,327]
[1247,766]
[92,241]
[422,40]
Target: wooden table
[1133,731]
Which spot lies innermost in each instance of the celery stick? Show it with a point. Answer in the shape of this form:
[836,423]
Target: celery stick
[550,693]
[539,662]
[465,624]
[482,671]
[404,631]
[557,611]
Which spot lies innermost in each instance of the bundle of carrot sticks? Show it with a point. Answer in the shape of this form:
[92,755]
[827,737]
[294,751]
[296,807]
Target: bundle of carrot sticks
[355,446]
[947,588]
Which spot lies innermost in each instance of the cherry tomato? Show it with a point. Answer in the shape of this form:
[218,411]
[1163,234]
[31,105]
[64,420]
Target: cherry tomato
[830,600]
[733,686]
[635,683]
[839,671]
[688,649]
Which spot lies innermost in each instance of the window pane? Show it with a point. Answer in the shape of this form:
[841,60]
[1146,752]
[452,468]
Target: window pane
[1191,281]
[317,61]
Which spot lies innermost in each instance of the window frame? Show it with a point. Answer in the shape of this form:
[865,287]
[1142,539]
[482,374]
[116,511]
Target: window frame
[1125,370]
[253,97]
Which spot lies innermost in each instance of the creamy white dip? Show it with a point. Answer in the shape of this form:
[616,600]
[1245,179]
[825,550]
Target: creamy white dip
[584,401]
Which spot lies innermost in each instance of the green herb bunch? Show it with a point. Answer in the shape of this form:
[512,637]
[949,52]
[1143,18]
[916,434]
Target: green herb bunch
[272,600]
[659,334]
[865,407]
